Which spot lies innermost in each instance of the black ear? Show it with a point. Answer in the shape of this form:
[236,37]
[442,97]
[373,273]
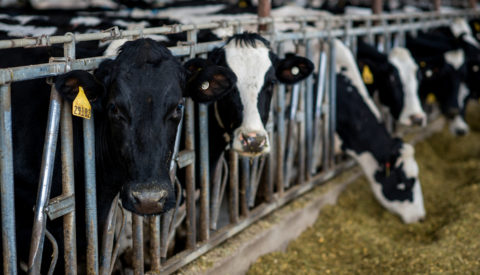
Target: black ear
[207,82]
[293,68]
[67,85]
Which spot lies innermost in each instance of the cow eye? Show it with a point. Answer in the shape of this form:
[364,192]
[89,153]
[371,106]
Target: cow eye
[113,110]
[180,107]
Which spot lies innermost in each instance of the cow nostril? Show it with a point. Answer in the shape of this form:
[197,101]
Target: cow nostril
[136,197]
[416,120]
[460,132]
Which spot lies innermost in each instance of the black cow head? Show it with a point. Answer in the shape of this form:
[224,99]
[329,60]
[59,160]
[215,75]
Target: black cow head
[137,101]
[386,80]
[442,80]
[244,113]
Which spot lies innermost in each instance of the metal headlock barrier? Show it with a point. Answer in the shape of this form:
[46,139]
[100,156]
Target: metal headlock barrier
[301,133]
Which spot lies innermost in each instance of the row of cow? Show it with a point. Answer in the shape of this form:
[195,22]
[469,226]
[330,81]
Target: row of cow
[137,101]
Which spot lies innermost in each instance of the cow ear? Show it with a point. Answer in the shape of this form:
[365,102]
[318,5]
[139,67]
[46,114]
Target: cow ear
[207,82]
[67,85]
[293,68]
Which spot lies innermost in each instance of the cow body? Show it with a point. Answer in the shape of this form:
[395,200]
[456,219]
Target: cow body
[387,162]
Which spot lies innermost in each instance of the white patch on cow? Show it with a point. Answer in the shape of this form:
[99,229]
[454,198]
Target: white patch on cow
[345,59]
[157,37]
[410,212]
[463,92]
[458,125]
[250,66]
[85,21]
[455,58]
[26,18]
[114,46]
[407,69]
[131,25]
[21,31]
[460,27]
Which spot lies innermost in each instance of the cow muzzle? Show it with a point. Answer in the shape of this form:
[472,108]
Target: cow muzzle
[251,143]
[147,199]
[417,120]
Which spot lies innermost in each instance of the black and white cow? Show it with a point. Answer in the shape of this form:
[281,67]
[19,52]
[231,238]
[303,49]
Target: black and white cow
[137,102]
[442,64]
[242,114]
[395,79]
[388,163]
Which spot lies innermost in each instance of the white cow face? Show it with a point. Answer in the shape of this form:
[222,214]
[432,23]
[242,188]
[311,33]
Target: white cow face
[412,112]
[395,184]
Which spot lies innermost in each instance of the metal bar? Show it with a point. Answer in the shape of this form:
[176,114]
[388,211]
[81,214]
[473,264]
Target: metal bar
[233,183]
[270,159]
[68,177]
[309,113]
[137,240]
[333,98]
[108,238]
[47,70]
[155,256]
[216,201]
[291,130]
[45,183]
[320,92]
[190,174]
[68,186]
[377,6]
[264,7]
[204,173]
[245,181]
[185,257]
[254,180]
[301,135]
[280,112]
[164,226]
[6,185]
[90,196]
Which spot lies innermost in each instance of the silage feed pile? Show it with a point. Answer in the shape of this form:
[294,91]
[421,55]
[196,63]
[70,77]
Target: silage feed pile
[357,236]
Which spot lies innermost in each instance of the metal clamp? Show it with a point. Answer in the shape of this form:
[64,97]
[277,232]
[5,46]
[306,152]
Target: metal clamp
[115,33]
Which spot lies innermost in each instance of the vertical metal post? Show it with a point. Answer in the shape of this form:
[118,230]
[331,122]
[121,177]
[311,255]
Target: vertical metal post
[320,92]
[377,6]
[280,131]
[333,100]
[68,178]
[137,244]
[309,114]
[436,5]
[270,167]
[68,186]
[190,174]
[189,120]
[264,7]
[204,173]
[45,183]
[90,196]
[245,181]
[292,128]
[472,4]
[233,194]
[301,136]
[154,225]
[6,184]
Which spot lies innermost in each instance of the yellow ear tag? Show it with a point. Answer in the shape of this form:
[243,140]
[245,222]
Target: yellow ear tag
[81,107]
[423,64]
[476,25]
[367,75]
[242,4]
[431,98]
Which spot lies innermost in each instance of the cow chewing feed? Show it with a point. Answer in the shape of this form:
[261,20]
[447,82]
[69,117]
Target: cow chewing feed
[242,114]
[137,102]
[395,79]
[387,162]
